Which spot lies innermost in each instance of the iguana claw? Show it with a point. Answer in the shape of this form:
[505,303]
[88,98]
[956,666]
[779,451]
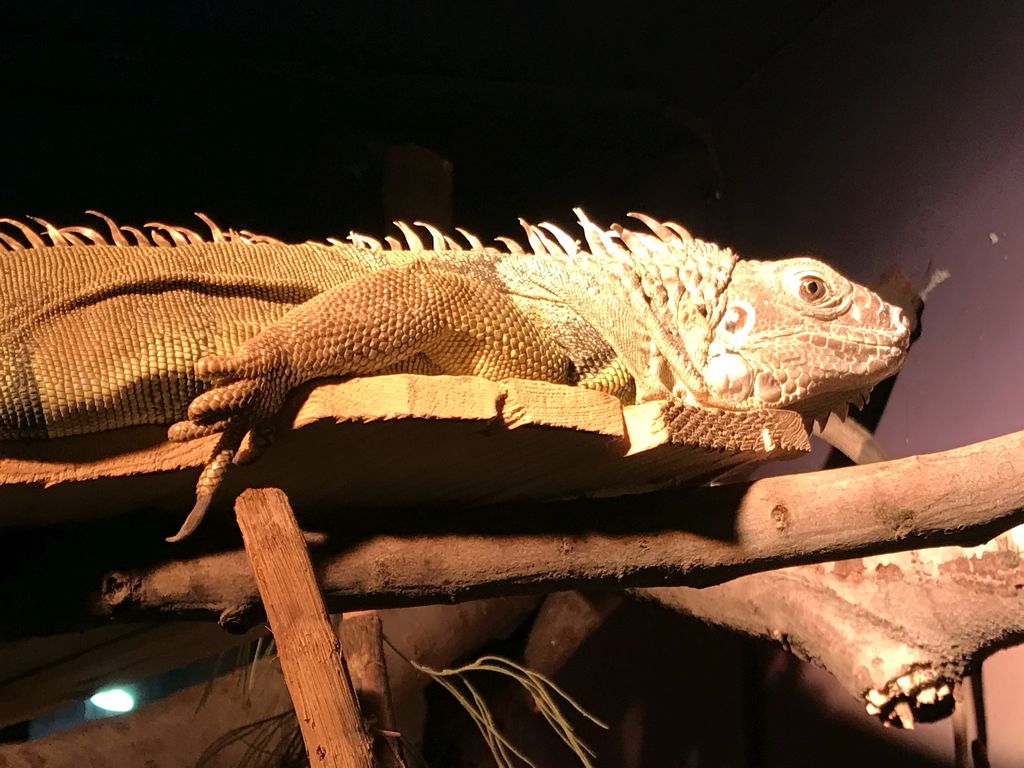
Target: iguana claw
[194,519]
[211,478]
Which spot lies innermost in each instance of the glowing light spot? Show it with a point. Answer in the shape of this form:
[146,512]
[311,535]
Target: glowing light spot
[114,700]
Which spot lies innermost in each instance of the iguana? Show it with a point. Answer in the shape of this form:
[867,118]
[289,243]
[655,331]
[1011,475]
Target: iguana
[209,334]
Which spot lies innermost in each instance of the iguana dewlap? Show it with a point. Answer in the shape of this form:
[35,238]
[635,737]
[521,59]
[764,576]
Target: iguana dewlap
[100,330]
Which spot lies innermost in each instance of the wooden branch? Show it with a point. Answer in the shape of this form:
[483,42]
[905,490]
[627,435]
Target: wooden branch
[362,640]
[898,631]
[677,537]
[325,703]
[564,622]
[960,496]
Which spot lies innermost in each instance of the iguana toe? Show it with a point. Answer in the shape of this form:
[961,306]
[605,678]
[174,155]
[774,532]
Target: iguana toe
[193,521]
[227,401]
[184,431]
[211,478]
[223,367]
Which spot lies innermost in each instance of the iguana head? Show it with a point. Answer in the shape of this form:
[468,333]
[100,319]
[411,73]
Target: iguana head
[796,334]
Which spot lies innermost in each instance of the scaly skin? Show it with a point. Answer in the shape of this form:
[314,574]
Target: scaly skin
[210,335]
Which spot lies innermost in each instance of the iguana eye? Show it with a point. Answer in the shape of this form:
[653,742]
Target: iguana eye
[812,289]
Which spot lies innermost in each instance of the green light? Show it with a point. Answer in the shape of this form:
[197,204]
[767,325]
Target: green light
[114,700]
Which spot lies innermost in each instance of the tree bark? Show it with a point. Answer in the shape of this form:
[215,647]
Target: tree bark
[679,537]
[899,631]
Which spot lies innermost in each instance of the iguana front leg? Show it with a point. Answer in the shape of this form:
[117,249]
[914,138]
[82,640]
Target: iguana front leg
[373,324]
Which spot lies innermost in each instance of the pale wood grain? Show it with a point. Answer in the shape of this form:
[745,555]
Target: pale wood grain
[310,655]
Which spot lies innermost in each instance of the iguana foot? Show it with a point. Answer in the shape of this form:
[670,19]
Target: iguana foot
[247,390]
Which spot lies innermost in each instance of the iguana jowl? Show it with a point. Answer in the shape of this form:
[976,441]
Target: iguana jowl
[209,334]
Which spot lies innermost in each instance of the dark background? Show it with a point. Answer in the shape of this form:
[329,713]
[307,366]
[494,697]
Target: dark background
[872,134]
[277,116]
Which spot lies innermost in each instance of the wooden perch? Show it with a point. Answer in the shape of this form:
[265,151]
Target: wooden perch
[683,536]
[401,441]
[362,639]
[359,450]
[687,536]
[78,576]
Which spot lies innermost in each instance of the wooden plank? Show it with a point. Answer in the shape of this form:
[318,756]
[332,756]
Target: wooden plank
[310,654]
[393,441]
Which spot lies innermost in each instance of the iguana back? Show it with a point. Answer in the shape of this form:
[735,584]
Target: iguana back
[97,333]
[100,337]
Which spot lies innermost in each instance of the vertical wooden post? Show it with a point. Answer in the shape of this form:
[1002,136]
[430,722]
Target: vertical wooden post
[310,654]
[363,640]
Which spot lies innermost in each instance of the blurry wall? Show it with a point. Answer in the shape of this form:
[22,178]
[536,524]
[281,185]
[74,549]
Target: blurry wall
[894,134]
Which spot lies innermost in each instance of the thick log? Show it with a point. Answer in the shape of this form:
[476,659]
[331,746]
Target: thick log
[565,620]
